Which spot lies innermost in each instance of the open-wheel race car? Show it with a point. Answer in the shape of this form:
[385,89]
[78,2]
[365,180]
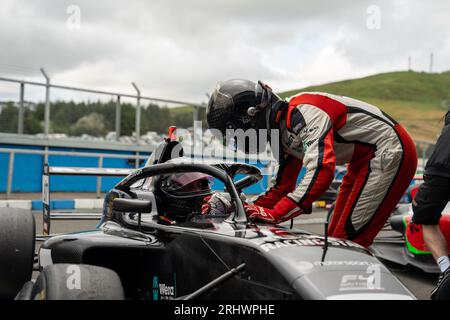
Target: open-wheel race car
[141,251]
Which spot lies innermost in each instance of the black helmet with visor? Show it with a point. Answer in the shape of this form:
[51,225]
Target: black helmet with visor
[181,194]
[242,104]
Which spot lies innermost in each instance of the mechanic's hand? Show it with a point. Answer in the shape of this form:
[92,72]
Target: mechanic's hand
[255,212]
[284,210]
[216,204]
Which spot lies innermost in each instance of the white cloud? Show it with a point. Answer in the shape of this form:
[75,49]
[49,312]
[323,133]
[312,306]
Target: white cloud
[179,49]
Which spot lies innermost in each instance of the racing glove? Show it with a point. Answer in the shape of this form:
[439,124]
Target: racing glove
[216,204]
[284,210]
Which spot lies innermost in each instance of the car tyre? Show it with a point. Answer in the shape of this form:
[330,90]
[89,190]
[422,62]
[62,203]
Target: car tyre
[77,282]
[17,241]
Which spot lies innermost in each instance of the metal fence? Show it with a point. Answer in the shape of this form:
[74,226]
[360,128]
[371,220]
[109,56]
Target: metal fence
[46,153]
[134,159]
[138,97]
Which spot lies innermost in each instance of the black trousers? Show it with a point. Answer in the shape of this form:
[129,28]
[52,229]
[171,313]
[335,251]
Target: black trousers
[431,199]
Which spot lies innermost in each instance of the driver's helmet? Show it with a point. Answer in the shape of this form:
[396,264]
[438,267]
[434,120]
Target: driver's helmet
[182,194]
[243,104]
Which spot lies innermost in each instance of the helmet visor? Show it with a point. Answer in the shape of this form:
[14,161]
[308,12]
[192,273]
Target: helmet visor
[189,183]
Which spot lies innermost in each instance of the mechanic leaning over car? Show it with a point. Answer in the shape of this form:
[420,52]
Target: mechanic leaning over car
[431,199]
[318,131]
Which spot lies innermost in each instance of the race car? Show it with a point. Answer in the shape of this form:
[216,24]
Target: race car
[141,250]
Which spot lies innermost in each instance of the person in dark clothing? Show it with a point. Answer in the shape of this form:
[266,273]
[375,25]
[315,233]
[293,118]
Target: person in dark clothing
[430,201]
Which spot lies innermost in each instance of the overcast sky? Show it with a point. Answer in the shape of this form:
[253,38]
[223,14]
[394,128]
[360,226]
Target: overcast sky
[180,49]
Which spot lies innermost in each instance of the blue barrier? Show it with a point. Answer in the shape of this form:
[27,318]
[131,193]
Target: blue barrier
[59,204]
[24,178]
[27,175]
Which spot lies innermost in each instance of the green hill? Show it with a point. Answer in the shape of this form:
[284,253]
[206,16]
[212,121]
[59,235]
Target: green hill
[417,100]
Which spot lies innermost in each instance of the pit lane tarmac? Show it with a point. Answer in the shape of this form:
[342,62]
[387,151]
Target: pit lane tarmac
[418,282]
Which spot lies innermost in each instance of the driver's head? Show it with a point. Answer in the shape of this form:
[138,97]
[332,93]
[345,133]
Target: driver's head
[182,194]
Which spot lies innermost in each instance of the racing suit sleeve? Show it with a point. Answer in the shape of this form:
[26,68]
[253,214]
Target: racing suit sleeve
[283,183]
[319,160]
[316,132]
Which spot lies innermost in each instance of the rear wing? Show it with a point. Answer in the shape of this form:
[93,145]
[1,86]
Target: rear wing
[70,171]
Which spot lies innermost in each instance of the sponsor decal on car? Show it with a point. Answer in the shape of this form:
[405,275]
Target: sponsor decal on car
[46,201]
[309,265]
[268,246]
[354,282]
[164,288]
[329,263]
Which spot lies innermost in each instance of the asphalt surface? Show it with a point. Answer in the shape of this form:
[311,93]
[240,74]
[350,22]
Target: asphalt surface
[418,282]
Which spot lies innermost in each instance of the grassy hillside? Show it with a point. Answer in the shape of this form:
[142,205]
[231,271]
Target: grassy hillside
[416,100]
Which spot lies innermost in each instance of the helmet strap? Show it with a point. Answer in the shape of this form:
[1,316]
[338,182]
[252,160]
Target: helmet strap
[276,113]
[262,101]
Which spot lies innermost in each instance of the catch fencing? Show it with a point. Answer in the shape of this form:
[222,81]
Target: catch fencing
[117,98]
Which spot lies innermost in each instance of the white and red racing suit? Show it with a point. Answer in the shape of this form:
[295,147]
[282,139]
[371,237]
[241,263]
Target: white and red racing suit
[320,130]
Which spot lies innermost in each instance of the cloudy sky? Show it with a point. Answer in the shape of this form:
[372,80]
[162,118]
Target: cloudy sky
[180,49]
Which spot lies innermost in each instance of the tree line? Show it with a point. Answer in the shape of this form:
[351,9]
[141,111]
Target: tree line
[95,118]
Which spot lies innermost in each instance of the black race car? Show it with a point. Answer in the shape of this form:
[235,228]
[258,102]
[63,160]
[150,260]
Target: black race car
[141,251]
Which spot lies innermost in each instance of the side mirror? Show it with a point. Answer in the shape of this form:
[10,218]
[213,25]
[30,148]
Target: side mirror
[132,205]
[245,182]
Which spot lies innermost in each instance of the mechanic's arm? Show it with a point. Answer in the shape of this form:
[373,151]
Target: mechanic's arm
[283,183]
[319,161]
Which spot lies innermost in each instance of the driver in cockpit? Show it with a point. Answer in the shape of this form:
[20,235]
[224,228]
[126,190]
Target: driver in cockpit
[185,195]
